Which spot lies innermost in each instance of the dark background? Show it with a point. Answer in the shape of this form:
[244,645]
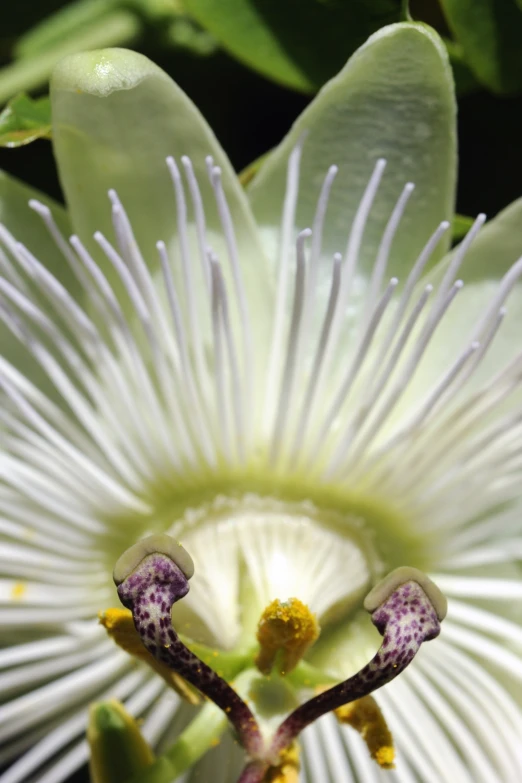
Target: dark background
[249,114]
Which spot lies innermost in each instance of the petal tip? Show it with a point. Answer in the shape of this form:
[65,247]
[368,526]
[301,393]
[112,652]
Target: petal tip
[102,71]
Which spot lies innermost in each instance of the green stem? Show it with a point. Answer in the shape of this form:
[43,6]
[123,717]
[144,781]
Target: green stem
[200,735]
[226,664]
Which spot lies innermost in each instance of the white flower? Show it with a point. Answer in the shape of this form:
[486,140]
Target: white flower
[302,420]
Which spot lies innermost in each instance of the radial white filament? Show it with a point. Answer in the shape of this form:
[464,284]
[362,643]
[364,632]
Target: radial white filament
[341,421]
[143,388]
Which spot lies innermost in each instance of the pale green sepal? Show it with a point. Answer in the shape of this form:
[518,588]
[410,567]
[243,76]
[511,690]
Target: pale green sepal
[28,228]
[117,747]
[116,117]
[496,248]
[394,99]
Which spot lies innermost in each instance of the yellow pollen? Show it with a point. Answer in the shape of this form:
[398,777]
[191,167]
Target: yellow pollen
[365,716]
[287,771]
[18,591]
[286,630]
[120,626]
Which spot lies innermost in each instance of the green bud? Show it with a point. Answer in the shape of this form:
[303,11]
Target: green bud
[118,749]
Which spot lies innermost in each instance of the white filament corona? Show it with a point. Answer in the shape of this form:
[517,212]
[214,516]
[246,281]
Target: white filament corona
[146,391]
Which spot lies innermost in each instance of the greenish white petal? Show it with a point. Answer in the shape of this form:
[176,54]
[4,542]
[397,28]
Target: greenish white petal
[394,99]
[116,117]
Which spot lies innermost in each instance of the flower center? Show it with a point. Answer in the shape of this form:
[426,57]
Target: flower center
[406,608]
[252,550]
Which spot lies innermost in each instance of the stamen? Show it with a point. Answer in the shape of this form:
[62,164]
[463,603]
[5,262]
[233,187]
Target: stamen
[187,271]
[432,398]
[352,252]
[286,630]
[504,289]
[46,215]
[149,590]
[292,350]
[219,360]
[366,718]
[383,252]
[131,253]
[458,257]
[304,419]
[356,460]
[411,282]
[155,410]
[406,609]
[287,228]
[348,269]
[237,398]
[230,239]
[199,214]
[317,239]
[357,363]
[194,389]
[357,231]
[372,395]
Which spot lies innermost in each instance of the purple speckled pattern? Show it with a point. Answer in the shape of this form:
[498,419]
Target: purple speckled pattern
[405,620]
[149,592]
[254,772]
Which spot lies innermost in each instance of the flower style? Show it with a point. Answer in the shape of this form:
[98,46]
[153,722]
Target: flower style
[240,370]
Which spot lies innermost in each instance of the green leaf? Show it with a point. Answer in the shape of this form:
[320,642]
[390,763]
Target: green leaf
[57,27]
[116,28]
[299,43]
[460,226]
[490,35]
[23,120]
[465,80]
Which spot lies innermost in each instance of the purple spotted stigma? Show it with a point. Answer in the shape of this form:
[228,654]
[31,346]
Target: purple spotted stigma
[406,619]
[150,592]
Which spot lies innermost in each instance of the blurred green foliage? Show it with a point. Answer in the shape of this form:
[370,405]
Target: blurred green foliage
[296,43]
[489,33]
[23,120]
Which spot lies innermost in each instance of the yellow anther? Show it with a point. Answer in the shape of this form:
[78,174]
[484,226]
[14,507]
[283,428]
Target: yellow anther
[286,630]
[365,716]
[120,626]
[287,771]
[18,591]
